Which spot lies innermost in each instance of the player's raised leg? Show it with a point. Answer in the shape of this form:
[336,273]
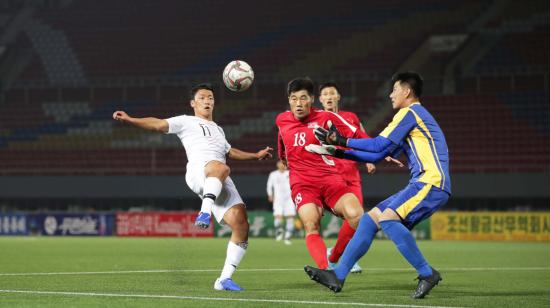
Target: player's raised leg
[215,174]
[311,214]
[237,220]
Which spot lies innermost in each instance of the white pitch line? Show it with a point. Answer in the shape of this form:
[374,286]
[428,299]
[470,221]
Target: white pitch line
[145,272]
[475,269]
[278,301]
[450,269]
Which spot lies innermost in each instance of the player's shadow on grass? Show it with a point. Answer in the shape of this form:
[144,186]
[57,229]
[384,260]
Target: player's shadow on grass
[381,287]
[352,288]
[297,286]
[478,293]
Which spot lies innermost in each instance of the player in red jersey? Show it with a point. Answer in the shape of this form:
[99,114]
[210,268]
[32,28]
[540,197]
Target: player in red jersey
[329,96]
[315,181]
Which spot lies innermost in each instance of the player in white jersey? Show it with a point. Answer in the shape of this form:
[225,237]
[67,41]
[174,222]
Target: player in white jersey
[207,173]
[278,192]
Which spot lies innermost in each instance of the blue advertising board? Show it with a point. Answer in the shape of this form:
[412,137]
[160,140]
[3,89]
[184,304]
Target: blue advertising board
[74,224]
[13,224]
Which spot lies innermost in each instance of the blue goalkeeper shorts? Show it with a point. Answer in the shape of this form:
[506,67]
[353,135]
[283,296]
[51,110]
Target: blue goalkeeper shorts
[415,203]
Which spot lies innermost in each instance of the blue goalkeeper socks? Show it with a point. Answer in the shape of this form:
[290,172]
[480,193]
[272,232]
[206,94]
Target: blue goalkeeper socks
[357,246]
[406,244]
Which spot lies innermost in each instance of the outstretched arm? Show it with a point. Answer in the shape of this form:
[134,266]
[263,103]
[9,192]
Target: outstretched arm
[360,156]
[242,155]
[333,136]
[377,144]
[152,124]
[366,157]
[393,134]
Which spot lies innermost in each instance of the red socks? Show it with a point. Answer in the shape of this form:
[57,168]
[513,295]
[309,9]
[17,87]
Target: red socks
[318,250]
[344,236]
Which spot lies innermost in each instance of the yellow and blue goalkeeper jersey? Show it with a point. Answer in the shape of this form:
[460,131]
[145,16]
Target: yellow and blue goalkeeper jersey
[422,140]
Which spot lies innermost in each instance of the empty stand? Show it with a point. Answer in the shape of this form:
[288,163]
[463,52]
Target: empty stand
[498,123]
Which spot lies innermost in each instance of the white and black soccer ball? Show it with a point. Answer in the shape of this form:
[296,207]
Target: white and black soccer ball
[238,76]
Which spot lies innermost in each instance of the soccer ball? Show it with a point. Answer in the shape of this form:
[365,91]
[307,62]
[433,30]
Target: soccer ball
[238,76]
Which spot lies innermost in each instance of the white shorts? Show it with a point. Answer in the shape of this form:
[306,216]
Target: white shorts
[284,207]
[228,197]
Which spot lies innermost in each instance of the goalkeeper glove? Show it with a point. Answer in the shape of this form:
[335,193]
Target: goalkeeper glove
[325,150]
[321,134]
[330,136]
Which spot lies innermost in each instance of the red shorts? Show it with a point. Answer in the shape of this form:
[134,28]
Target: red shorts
[356,190]
[325,191]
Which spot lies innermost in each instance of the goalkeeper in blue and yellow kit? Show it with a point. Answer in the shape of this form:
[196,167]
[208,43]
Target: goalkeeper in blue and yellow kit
[414,132]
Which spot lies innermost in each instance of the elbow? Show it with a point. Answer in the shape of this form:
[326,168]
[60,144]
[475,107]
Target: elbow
[159,125]
[160,128]
[381,155]
[365,157]
[378,158]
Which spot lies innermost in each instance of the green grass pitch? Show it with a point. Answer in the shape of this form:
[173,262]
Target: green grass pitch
[176,272]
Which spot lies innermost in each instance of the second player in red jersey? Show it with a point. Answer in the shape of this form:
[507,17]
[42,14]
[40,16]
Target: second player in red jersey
[329,96]
[315,181]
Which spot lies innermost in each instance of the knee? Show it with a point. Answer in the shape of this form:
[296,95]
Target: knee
[239,229]
[389,214]
[353,215]
[224,170]
[238,219]
[374,215]
[238,214]
[243,227]
[311,226]
[218,169]
[354,212]
[221,171]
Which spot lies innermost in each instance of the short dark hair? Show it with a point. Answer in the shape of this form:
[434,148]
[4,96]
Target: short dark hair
[328,85]
[412,79]
[200,86]
[300,83]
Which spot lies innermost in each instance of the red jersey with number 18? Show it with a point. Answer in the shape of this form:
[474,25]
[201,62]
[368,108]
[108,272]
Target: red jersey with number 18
[295,134]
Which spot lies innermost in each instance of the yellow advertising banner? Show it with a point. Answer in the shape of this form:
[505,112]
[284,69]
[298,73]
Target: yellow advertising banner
[494,226]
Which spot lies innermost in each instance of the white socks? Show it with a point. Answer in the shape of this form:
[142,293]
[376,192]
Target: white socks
[235,253]
[289,228]
[278,224]
[211,190]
